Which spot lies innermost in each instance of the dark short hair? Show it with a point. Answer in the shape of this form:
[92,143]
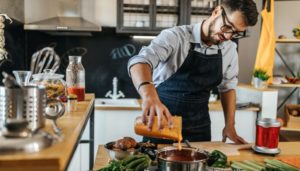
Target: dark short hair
[246,7]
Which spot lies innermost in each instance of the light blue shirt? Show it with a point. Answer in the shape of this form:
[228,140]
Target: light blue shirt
[167,52]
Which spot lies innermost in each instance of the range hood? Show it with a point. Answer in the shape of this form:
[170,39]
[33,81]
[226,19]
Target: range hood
[63,24]
[61,16]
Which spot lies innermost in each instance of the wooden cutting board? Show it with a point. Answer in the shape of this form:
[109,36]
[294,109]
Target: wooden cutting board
[227,148]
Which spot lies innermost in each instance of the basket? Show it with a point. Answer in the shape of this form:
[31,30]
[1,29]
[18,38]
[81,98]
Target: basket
[291,114]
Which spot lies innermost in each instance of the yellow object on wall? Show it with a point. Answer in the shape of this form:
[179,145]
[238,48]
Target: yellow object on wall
[266,47]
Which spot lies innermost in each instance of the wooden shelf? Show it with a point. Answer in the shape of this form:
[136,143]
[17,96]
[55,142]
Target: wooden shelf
[285,85]
[292,126]
[287,40]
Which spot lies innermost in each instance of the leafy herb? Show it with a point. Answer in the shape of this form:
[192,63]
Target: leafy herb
[261,74]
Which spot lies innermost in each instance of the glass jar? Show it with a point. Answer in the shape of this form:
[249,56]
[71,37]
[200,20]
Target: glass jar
[75,76]
[54,83]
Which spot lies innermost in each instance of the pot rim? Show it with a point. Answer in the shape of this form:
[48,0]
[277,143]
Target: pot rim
[183,148]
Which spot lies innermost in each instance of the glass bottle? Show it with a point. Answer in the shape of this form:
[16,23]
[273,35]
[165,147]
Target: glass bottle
[75,76]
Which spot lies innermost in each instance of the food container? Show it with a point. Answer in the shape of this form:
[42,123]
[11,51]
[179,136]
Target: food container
[118,154]
[173,133]
[54,83]
[267,136]
[186,159]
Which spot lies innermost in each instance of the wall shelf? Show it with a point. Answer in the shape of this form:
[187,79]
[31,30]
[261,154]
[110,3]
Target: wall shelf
[287,40]
[285,85]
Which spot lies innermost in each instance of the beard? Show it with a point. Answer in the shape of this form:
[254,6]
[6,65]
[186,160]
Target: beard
[212,33]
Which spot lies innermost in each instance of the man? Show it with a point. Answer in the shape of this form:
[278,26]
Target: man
[176,72]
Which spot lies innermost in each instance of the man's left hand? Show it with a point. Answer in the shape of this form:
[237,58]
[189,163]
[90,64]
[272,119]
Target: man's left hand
[229,132]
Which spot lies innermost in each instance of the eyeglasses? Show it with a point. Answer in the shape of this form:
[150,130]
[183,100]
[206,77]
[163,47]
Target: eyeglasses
[226,28]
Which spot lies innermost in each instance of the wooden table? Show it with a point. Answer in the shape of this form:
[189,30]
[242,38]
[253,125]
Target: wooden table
[287,149]
[58,156]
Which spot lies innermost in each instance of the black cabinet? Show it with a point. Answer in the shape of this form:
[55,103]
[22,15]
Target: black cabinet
[149,17]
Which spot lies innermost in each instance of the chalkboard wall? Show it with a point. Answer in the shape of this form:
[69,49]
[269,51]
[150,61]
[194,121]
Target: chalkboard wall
[15,46]
[107,56]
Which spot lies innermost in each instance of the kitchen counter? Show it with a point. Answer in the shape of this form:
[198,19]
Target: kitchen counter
[58,156]
[287,149]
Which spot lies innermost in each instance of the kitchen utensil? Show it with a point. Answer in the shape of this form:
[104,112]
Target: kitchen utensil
[30,144]
[22,77]
[9,81]
[16,128]
[45,58]
[118,154]
[186,159]
[26,103]
[54,109]
[227,148]
[267,136]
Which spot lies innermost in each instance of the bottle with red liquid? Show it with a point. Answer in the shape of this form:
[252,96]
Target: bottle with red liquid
[75,76]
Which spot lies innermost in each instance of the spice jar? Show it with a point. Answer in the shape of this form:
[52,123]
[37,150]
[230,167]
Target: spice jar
[75,76]
[72,103]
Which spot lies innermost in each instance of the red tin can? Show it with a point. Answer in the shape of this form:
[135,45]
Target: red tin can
[267,133]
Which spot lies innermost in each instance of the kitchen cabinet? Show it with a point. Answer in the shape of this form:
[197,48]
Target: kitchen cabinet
[149,17]
[81,157]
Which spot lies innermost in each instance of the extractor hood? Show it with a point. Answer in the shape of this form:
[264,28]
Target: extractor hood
[63,24]
[61,16]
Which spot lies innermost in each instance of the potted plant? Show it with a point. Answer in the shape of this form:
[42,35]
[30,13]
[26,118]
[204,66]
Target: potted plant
[260,78]
[296,32]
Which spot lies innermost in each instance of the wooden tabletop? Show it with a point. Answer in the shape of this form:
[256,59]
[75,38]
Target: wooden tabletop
[56,157]
[287,149]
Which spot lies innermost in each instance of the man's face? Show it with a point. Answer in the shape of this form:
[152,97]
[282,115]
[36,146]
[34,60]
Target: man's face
[225,27]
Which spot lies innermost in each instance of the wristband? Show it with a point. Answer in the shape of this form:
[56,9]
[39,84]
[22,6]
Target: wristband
[144,83]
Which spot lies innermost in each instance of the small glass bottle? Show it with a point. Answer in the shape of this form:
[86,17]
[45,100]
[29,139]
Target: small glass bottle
[75,76]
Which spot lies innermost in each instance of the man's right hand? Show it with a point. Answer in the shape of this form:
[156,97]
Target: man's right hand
[151,106]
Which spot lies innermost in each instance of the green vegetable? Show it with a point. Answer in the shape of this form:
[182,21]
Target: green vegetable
[132,163]
[135,163]
[217,159]
[245,166]
[281,165]
[142,166]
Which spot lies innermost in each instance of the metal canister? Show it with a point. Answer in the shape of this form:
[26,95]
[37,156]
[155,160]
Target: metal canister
[267,136]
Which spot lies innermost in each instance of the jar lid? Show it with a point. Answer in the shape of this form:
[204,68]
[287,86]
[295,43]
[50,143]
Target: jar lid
[72,97]
[47,74]
[268,122]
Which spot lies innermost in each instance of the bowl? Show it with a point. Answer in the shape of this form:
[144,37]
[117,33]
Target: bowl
[118,154]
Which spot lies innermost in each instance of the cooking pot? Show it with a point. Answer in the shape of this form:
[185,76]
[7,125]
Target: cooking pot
[186,159]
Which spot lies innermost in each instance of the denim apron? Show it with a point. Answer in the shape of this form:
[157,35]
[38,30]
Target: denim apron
[186,93]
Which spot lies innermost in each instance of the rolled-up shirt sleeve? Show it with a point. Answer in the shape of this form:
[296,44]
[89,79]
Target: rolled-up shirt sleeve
[159,50]
[230,76]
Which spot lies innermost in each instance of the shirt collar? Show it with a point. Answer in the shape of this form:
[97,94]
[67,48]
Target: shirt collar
[196,37]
